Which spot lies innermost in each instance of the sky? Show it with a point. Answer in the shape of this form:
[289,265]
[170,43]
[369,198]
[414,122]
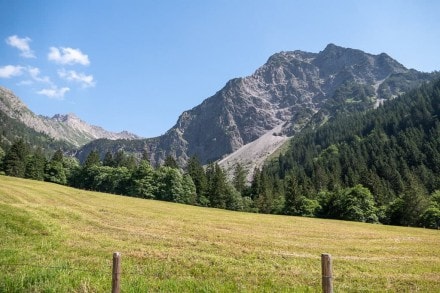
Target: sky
[137,65]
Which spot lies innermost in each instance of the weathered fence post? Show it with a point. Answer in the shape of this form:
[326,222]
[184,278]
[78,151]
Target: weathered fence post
[116,273]
[327,277]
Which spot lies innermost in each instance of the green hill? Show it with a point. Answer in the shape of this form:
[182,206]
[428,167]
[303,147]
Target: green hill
[60,239]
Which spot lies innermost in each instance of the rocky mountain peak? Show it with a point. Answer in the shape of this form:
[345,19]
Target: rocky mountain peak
[287,90]
[65,118]
[335,60]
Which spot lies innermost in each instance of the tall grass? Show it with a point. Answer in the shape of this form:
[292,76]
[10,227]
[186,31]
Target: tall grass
[58,239]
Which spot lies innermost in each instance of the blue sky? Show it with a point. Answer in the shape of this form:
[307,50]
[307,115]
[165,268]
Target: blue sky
[137,65]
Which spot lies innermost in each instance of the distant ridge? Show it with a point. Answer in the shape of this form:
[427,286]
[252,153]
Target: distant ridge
[67,128]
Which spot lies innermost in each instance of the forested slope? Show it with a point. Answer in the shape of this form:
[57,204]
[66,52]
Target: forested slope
[11,130]
[392,152]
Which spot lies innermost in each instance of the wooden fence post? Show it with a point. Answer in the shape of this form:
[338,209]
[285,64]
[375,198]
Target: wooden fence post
[327,277]
[116,273]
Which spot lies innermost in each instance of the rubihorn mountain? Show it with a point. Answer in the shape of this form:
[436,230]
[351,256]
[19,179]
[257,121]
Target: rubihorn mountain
[251,117]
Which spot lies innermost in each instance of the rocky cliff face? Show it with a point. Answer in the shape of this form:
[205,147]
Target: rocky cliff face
[287,93]
[61,127]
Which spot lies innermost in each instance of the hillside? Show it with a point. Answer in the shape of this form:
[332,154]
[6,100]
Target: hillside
[11,130]
[68,129]
[393,151]
[292,89]
[61,239]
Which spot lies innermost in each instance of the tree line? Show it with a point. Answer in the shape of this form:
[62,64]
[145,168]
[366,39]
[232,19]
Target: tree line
[124,174]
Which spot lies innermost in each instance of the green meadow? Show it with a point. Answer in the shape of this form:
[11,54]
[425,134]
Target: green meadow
[59,239]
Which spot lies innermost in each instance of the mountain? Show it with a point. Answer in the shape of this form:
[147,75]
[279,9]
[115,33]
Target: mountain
[68,128]
[11,130]
[290,91]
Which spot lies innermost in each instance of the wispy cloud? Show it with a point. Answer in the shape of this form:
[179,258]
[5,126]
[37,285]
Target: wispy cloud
[26,82]
[81,78]
[34,72]
[9,71]
[21,44]
[54,92]
[67,56]
[34,75]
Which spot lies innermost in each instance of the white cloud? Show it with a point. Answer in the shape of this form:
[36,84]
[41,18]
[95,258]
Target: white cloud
[68,56]
[21,44]
[83,79]
[34,72]
[9,71]
[25,82]
[34,76]
[54,92]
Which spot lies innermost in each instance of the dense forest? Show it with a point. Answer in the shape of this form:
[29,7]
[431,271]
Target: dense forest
[378,166]
[391,154]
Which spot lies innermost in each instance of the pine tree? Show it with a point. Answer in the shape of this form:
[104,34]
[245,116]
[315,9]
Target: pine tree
[92,159]
[171,162]
[292,196]
[239,180]
[54,170]
[145,156]
[189,194]
[57,156]
[120,159]
[2,156]
[14,162]
[108,160]
[35,165]
[256,184]
[265,199]
[198,175]
[217,186]
[130,163]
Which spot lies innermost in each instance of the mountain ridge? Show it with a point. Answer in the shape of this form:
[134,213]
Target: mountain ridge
[68,127]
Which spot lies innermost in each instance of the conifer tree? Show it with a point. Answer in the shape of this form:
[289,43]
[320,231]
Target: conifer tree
[92,159]
[292,196]
[36,165]
[170,161]
[198,175]
[108,160]
[14,162]
[189,194]
[145,156]
[54,171]
[239,179]
[256,184]
[217,186]
[57,156]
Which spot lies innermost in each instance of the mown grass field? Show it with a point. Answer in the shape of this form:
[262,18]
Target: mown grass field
[59,239]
